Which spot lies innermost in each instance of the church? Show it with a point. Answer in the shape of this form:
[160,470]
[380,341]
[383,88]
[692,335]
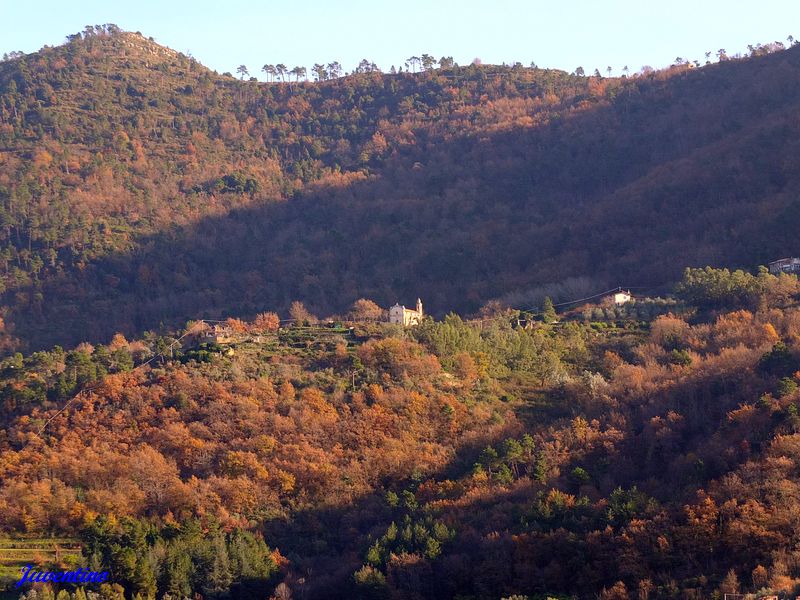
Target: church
[406,316]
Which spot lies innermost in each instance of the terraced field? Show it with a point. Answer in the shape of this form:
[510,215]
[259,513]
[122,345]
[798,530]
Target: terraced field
[15,553]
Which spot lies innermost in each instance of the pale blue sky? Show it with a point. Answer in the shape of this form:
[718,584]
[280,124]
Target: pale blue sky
[589,33]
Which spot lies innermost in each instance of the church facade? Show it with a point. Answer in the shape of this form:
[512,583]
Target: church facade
[401,315]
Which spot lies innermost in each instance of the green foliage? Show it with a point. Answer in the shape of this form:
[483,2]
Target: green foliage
[236,183]
[556,509]
[392,499]
[779,361]
[178,560]
[680,357]
[409,501]
[512,462]
[371,583]
[548,311]
[579,476]
[503,475]
[540,468]
[449,337]
[506,349]
[204,352]
[423,536]
[711,287]
[121,360]
[56,375]
[793,417]
[721,288]
[787,387]
[624,505]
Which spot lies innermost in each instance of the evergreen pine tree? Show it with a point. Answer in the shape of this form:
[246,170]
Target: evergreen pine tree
[548,311]
[219,577]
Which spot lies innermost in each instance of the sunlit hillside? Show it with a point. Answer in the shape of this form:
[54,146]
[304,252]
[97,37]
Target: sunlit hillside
[604,454]
[139,188]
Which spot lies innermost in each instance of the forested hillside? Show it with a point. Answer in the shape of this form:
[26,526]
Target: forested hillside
[617,458]
[138,188]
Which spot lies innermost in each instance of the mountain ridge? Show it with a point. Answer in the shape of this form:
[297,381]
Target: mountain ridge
[525,177]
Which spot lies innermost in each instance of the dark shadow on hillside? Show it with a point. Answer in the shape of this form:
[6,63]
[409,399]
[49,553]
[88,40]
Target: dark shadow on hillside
[501,548]
[698,169]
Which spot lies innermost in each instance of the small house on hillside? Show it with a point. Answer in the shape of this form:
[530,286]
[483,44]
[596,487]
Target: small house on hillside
[621,297]
[219,334]
[401,315]
[785,265]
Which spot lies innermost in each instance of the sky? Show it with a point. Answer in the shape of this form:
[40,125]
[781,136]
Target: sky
[556,34]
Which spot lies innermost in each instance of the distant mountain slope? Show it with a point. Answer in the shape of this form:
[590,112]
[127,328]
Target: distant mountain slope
[138,187]
[456,460]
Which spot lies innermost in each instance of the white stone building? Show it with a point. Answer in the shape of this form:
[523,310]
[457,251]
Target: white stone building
[406,316]
[785,265]
[621,298]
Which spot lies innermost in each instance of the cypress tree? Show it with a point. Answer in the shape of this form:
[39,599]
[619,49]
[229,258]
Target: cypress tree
[548,311]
